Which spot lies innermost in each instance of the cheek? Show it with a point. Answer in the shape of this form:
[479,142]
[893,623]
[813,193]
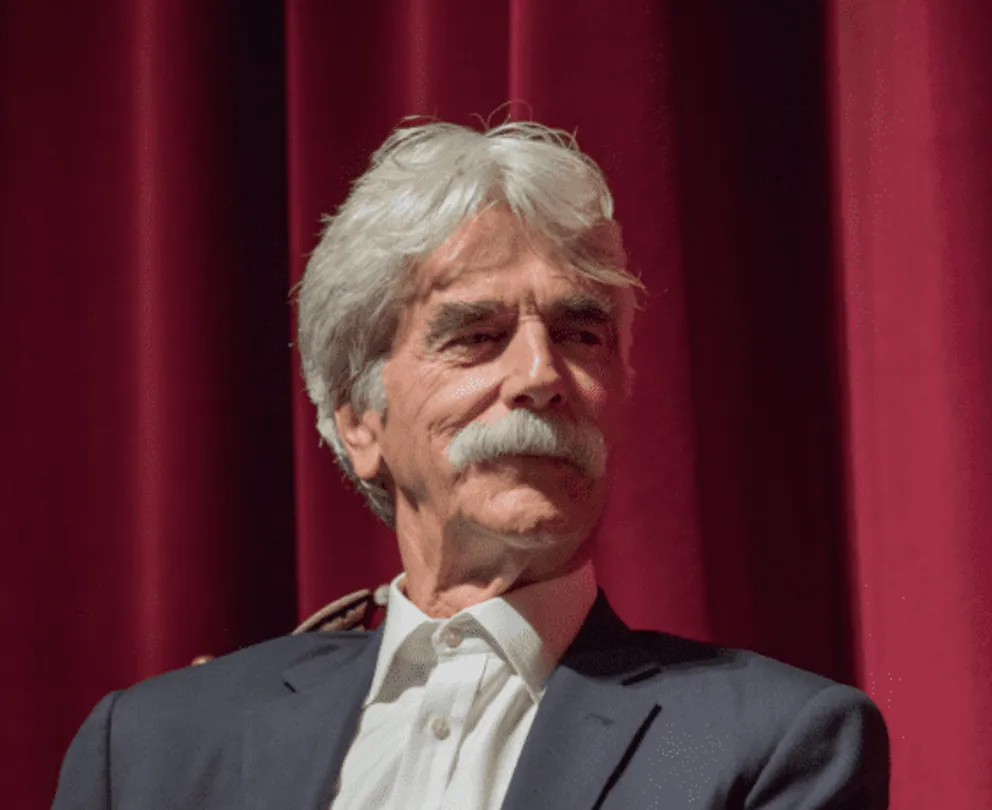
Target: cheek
[598,388]
[435,408]
[596,392]
[602,401]
[460,396]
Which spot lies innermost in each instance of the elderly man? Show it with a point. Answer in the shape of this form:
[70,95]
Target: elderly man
[465,326]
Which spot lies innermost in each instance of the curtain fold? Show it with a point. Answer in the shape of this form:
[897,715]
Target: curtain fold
[147,482]
[806,194]
[912,124]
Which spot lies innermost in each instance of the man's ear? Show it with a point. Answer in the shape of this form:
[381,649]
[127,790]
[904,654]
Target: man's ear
[361,435]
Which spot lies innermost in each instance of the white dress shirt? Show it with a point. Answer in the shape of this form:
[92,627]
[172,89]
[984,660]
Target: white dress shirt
[452,700]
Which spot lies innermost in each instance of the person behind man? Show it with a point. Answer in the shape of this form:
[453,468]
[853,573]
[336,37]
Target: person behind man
[465,329]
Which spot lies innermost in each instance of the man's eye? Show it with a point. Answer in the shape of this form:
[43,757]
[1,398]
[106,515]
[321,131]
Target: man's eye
[586,337]
[477,339]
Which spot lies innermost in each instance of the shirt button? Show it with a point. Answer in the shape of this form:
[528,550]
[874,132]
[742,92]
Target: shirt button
[451,636]
[440,728]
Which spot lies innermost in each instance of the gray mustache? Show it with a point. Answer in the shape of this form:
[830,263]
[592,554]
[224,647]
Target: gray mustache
[522,432]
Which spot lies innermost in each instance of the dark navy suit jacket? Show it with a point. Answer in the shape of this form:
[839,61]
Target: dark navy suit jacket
[629,720]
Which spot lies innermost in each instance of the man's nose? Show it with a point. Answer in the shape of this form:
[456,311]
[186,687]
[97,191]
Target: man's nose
[533,377]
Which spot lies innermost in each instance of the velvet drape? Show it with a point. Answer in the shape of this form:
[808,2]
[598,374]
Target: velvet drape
[806,190]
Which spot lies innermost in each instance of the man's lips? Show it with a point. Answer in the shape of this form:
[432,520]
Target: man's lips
[531,457]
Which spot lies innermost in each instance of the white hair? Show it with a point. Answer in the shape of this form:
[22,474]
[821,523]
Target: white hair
[422,184]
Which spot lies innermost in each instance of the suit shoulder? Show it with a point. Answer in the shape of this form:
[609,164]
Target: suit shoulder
[749,701]
[242,678]
[745,681]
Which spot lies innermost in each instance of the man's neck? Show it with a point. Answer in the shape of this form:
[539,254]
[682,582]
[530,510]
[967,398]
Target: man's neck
[449,574]
[443,603]
[461,564]
[443,579]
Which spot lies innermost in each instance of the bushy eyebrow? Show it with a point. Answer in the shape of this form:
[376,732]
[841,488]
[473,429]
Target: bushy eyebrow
[451,317]
[583,308]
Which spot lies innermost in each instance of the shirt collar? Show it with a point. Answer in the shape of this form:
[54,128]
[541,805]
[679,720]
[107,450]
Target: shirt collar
[531,626]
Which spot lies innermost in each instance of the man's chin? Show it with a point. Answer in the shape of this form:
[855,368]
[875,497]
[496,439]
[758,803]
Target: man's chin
[526,536]
[531,496]
[527,511]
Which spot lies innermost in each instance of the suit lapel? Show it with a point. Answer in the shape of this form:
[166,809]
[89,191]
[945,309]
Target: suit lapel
[295,745]
[588,720]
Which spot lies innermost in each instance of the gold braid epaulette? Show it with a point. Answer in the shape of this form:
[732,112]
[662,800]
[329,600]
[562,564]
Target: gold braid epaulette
[351,612]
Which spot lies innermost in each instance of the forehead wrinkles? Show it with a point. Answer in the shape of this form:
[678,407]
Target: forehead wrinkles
[479,247]
[483,246]
[484,243]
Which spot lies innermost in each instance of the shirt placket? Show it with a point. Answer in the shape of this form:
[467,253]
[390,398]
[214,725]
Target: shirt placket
[444,712]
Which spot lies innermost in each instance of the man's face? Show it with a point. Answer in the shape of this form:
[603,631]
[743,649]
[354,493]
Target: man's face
[493,327]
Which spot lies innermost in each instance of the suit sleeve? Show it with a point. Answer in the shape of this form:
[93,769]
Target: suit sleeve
[84,781]
[834,756]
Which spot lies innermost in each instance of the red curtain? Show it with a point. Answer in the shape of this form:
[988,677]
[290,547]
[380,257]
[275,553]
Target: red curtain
[806,193]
